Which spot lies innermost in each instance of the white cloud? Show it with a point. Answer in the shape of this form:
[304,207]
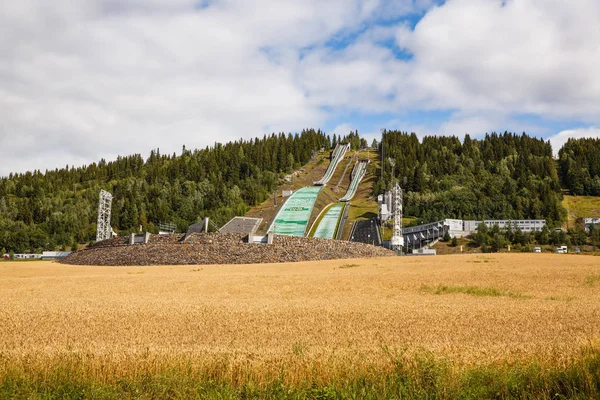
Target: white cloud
[342,129]
[527,56]
[490,59]
[478,124]
[557,141]
[474,125]
[89,79]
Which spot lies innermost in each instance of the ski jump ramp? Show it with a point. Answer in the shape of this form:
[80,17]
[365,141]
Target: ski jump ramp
[329,223]
[337,156]
[357,175]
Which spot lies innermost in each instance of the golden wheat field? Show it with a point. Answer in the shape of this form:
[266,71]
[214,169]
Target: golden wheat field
[321,318]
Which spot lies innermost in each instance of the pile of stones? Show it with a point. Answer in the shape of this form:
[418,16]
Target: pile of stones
[213,248]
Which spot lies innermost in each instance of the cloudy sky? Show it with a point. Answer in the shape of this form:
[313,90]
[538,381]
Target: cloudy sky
[82,80]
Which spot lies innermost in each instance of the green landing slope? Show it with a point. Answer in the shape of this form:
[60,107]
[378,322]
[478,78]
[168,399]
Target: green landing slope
[328,225]
[293,217]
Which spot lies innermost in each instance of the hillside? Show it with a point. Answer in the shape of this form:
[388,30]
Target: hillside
[502,176]
[362,206]
[42,211]
[579,207]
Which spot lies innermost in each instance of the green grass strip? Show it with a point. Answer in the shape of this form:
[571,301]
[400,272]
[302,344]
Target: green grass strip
[417,377]
[472,290]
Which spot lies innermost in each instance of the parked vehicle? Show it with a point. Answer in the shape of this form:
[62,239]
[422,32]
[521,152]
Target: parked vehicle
[562,250]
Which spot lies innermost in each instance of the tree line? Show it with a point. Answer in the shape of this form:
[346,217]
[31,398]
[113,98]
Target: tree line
[58,208]
[501,176]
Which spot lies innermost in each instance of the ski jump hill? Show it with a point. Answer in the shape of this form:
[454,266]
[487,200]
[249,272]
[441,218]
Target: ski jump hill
[293,217]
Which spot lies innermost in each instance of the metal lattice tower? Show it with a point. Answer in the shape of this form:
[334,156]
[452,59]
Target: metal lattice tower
[104,230]
[397,238]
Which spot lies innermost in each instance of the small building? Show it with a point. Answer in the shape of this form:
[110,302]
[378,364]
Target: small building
[455,227]
[424,252]
[591,221]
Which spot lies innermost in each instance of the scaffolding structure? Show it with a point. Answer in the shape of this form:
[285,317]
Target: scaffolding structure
[104,230]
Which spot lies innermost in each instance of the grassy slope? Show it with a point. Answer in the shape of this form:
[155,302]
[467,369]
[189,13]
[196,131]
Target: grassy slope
[580,207]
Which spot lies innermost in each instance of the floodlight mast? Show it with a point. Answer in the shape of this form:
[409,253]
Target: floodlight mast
[104,231]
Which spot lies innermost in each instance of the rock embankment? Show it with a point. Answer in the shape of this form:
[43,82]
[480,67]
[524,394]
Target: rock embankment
[214,248]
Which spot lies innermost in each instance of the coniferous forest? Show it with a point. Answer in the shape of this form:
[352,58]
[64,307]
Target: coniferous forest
[579,161]
[500,176]
[42,211]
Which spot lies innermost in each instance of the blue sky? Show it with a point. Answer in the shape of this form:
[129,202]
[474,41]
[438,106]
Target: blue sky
[85,80]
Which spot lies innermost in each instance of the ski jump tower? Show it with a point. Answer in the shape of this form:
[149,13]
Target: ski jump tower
[397,241]
[104,231]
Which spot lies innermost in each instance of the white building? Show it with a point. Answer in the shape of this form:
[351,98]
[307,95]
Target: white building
[588,222]
[525,225]
[23,256]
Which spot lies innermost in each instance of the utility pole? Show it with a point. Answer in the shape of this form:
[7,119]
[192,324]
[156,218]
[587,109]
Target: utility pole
[382,153]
